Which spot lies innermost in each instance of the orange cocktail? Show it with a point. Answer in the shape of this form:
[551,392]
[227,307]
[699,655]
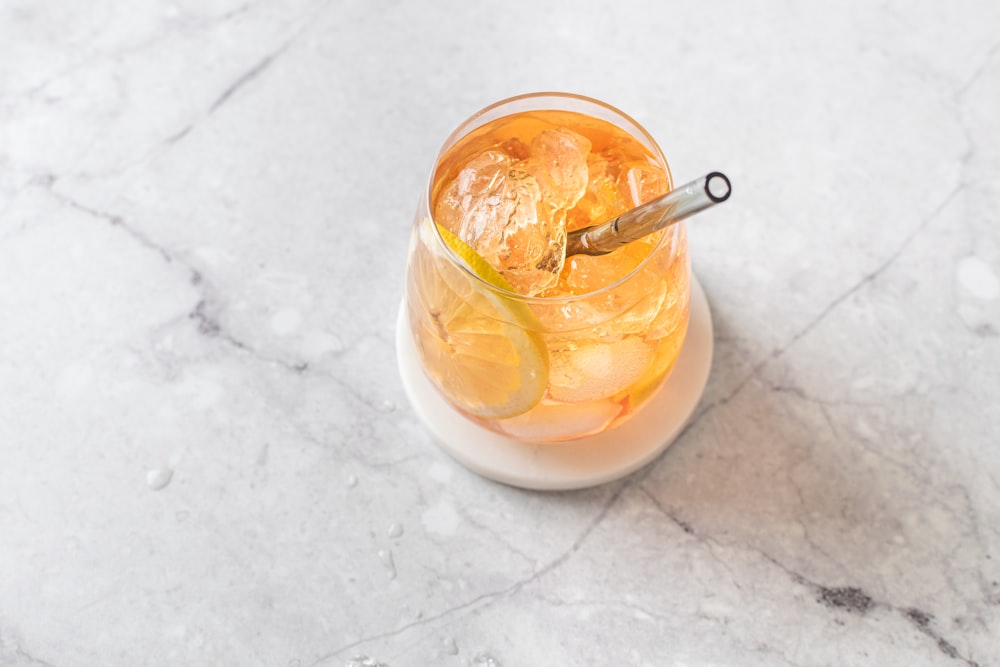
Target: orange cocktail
[515,335]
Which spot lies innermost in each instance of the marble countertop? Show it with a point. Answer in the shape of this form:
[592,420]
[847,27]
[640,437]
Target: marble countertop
[206,455]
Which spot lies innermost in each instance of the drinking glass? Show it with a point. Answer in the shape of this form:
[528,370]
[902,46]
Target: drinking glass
[546,368]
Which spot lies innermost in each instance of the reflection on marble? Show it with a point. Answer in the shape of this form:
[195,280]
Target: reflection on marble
[205,453]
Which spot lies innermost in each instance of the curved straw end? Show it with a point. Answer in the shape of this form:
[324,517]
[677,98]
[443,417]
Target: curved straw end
[718,187]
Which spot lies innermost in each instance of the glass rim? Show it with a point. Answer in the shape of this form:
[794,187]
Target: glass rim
[667,237]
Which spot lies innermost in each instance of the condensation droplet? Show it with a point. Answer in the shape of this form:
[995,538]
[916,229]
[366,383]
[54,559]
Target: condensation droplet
[352,481]
[450,646]
[157,478]
[181,515]
[387,406]
[390,564]
[395,530]
[484,660]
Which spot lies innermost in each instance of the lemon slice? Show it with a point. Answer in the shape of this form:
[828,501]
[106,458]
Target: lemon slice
[480,347]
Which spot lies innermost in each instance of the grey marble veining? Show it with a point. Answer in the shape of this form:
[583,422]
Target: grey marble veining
[206,456]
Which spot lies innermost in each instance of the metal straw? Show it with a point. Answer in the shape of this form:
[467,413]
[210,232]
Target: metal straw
[652,216]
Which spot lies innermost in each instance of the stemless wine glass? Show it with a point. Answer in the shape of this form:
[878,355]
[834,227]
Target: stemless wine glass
[583,354]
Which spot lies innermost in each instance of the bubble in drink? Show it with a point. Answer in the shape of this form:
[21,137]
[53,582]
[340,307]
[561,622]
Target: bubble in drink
[603,196]
[558,163]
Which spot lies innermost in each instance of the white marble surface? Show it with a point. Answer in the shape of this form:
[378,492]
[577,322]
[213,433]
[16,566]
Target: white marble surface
[206,457]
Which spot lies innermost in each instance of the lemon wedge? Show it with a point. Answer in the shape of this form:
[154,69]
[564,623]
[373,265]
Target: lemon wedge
[481,347]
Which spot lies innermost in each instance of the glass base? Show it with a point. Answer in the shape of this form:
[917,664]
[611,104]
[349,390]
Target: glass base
[574,464]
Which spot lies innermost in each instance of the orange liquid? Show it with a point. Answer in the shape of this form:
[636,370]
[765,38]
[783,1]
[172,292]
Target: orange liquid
[611,326]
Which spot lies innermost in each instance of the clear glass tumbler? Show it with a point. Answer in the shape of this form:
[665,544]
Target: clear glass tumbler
[585,353]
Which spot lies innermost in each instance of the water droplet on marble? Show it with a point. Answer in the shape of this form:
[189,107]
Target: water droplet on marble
[395,530]
[157,478]
[352,481]
[441,518]
[387,406]
[450,646]
[484,660]
[181,515]
[978,278]
[364,661]
[390,564]
[316,344]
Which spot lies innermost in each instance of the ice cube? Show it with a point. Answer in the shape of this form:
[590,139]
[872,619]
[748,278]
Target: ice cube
[448,210]
[511,229]
[601,305]
[531,245]
[478,184]
[516,148]
[671,315]
[592,371]
[640,317]
[558,315]
[601,201]
[516,222]
[483,175]
[495,206]
[605,317]
[550,420]
[586,273]
[482,186]
[642,181]
[559,163]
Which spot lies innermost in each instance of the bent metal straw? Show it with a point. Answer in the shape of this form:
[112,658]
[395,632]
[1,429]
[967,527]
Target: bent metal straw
[652,216]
